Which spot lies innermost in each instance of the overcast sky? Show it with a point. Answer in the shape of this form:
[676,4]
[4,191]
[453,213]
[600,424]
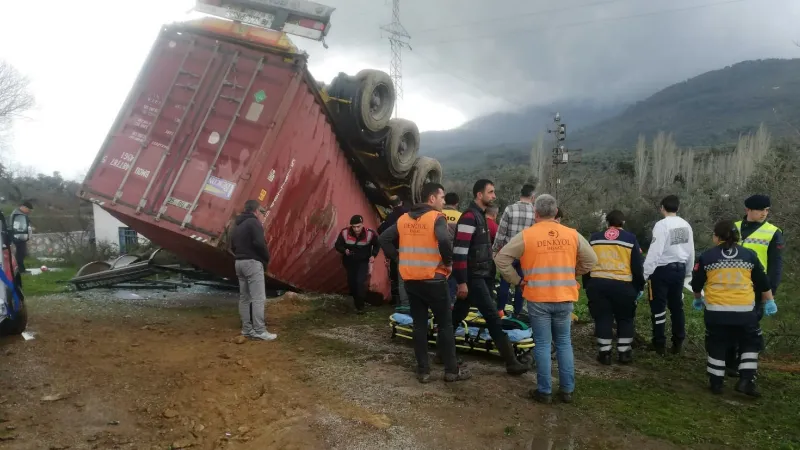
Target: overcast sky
[469,58]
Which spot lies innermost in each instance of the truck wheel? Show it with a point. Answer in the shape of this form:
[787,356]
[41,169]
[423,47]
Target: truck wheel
[426,170]
[10,327]
[375,100]
[401,147]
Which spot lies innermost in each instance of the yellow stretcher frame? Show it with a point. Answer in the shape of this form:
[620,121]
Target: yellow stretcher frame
[523,349]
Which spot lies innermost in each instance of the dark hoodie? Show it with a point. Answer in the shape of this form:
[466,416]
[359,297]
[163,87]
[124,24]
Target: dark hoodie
[247,239]
[390,239]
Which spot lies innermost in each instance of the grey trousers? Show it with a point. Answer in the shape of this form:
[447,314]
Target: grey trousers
[252,295]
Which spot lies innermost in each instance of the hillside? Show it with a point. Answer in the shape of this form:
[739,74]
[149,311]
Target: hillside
[709,109]
[511,128]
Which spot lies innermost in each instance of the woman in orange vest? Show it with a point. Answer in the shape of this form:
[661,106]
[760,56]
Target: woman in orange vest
[551,256]
[420,243]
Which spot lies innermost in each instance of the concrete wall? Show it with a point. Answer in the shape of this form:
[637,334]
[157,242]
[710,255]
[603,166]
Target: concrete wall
[56,244]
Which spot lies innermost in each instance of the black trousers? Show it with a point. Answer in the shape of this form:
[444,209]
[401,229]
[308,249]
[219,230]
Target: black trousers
[480,296]
[720,337]
[20,252]
[357,273]
[433,295]
[733,352]
[394,274]
[611,300]
[666,292]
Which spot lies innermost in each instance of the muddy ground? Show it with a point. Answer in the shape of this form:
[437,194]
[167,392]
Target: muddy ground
[106,372]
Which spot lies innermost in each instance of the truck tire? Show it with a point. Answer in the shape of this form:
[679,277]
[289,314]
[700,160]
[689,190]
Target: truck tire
[401,147]
[375,100]
[426,170]
[10,327]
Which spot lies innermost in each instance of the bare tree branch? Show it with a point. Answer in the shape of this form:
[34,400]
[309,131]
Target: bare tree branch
[15,98]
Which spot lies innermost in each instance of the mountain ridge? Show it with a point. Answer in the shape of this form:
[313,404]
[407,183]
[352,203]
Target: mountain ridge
[709,109]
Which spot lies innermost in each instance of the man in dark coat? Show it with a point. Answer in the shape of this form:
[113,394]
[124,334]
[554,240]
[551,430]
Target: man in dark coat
[359,247]
[252,258]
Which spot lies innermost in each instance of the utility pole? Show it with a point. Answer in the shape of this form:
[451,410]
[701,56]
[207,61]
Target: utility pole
[398,39]
[561,155]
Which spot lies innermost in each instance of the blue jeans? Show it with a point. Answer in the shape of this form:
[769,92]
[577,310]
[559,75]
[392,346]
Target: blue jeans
[453,285]
[551,323]
[503,292]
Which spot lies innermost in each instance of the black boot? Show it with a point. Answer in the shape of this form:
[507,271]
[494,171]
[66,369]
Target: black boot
[513,366]
[747,387]
[660,349]
[540,397]
[677,347]
[604,358]
[626,357]
[716,388]
[463,374]
[732,372]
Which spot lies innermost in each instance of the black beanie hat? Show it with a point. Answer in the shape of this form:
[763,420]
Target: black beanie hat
[355,220]
[757,202]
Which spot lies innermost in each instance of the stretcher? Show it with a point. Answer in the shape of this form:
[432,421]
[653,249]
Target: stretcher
[471,334]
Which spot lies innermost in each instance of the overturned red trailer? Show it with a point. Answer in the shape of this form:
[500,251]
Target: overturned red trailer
[221,113]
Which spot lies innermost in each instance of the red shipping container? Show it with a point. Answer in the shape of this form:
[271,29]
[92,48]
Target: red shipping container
[222,113]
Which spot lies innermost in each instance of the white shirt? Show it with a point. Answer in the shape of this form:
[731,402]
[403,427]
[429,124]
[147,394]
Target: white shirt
[673,242]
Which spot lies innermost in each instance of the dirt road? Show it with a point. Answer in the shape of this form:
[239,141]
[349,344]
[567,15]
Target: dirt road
[105,372]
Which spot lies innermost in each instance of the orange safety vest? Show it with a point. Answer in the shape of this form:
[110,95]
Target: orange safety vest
[419,249]
[548,263]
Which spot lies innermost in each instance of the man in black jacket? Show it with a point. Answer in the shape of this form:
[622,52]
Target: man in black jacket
[399,296]
[252,257]
[473,268]
[21,247]
[359,247]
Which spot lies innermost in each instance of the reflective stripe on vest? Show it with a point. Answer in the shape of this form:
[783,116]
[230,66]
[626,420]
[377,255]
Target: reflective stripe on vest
[759,240]
[548,263]
[729,287]
[419,249]
[613,259]
[351,240]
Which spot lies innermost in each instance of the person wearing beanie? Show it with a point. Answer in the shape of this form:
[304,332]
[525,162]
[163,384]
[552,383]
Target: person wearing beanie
[359,247]
[21,247]
[766,240]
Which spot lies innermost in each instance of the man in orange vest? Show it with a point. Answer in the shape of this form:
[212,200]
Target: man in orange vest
[420,242]
[551,255]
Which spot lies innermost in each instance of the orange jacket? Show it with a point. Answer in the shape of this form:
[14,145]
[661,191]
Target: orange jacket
[548,263]
[419,249]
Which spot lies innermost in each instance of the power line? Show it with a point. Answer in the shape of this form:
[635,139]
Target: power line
[517,16]
[585,22]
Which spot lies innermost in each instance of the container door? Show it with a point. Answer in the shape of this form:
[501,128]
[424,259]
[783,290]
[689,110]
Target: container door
[151,129]
[225,141]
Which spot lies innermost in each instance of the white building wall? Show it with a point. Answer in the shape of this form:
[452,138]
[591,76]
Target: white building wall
[106,227]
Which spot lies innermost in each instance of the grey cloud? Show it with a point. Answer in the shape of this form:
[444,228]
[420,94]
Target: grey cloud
[581,53]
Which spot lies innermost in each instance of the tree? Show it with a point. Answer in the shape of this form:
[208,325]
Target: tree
[15,100]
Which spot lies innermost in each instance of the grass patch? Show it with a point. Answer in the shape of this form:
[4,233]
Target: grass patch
[47,282]
[667,397]
[679,409]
